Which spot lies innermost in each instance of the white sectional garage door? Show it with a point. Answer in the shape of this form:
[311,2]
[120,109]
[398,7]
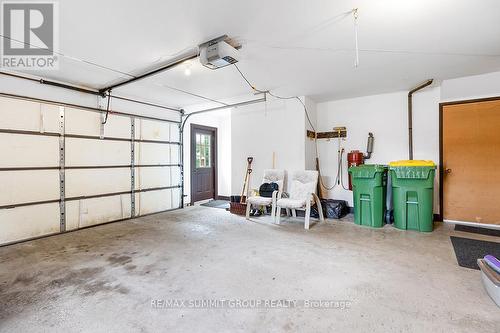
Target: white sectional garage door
[61,169]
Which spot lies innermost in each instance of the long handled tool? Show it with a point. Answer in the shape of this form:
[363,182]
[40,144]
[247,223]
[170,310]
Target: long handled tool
[244,192]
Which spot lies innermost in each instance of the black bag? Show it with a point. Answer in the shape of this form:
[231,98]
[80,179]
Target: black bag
[335,209]
[266,190]
[332,209]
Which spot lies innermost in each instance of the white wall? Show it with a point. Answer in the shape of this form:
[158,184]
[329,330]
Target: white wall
[471,87]
[386,117]
[222,121]
[310,146]
[259,130]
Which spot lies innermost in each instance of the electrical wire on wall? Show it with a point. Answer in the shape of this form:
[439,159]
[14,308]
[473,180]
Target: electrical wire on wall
[339,175]
[277,96]
[338,179]
[340,169]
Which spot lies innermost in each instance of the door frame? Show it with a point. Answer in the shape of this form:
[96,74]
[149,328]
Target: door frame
[193,158]
[441,167]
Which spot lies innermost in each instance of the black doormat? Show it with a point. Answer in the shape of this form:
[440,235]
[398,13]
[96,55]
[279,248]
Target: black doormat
[469,250]
[223,204]
[477,230]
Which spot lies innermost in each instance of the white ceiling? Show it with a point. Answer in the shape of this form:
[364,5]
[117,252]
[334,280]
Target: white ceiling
[294,47]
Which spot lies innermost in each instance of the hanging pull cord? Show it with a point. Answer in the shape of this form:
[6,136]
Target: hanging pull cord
[268,92]
[355,16]
[107,108]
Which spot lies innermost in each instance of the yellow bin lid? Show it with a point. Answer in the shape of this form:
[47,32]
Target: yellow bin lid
[412,163]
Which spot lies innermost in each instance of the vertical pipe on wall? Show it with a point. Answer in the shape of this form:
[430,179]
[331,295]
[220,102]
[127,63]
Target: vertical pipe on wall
[410,115]
[410,127]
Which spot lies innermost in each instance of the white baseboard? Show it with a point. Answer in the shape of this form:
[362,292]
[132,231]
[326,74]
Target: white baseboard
[474,224]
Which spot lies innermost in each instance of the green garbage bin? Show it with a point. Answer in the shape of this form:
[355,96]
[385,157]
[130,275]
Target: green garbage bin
[412,194]
[369,186]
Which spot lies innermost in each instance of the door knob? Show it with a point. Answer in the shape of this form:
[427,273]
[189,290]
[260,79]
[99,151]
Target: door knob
[447,171]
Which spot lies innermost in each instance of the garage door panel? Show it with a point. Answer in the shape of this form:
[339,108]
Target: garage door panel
[82,152]
[174,154]
[153,130]
[88,212]
[176,195]
[176,176]
[28,186]
[27,222]
[153,177]
[29,116]
[152,153]
[174,133]
[155,201]
[89,123]
[28,151]
[118,127]
[86,182]
[41,151]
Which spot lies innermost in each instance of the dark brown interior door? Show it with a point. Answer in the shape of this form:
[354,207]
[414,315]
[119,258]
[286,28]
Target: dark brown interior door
[471,162]
[203,163]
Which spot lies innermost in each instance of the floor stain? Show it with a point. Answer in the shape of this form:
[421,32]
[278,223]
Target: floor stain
[30,288]
[117,279]
[25,278]
[119,260]
[77,277]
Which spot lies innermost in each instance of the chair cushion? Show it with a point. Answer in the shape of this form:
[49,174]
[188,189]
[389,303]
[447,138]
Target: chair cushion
[302,183]
[260,201]
[291,203]
[274,176]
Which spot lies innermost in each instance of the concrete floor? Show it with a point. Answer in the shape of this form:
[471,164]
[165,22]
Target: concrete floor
[104,279]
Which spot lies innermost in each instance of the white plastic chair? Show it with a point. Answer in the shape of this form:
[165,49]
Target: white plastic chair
[270,176]
[302,193]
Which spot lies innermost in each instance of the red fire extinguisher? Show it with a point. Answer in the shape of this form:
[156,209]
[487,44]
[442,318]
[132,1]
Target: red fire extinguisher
[354,158]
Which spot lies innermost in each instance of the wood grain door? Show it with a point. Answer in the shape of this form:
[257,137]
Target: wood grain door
[203,163]
[471,162]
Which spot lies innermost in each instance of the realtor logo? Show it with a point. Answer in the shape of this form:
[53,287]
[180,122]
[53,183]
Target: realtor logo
[29,33]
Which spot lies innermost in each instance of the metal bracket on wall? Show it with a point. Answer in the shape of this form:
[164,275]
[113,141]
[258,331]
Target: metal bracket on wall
[62,163]
[132,167]
[338,132]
